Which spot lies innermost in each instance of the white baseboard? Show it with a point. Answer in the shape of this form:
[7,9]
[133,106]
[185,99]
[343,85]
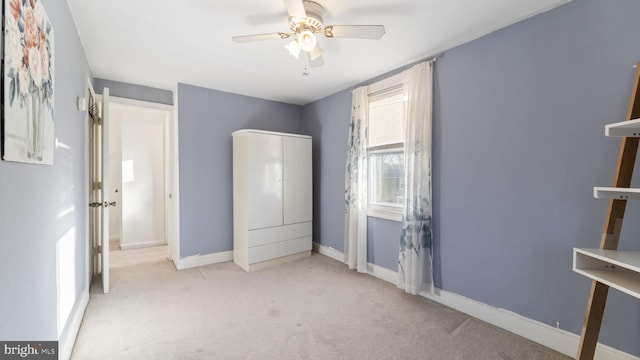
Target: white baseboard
[383,273]
[68,338]
[141,245]
[557,339]
[203,260]
[329,251]
[177,264]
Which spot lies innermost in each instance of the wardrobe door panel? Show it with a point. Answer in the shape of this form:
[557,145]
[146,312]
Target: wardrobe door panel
[298,189]
[264,181]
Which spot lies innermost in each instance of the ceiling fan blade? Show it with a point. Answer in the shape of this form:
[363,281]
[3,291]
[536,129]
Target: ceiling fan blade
[374,32]
[295,8]
[259,37]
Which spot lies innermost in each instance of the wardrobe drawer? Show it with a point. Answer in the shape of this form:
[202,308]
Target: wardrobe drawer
[286,232]
[279,249]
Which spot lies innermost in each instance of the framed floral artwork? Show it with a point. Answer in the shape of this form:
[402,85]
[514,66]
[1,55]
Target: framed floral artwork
[27,108]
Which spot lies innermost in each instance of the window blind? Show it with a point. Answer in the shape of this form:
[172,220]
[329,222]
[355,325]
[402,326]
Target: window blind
[386,113]
[386,119]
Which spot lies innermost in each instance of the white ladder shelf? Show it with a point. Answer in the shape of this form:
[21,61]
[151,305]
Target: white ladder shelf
[607,266]
[616,193]
[629,128]
[617,269]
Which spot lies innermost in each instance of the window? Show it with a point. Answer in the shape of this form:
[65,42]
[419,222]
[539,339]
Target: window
[387,166]
[386,149]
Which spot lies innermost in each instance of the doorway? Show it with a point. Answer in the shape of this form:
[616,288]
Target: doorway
[100,190]
[138,162]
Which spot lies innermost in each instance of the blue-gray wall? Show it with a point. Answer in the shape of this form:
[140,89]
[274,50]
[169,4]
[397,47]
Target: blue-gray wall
[327,121]
[207,119]
[41,204]
[131,91]
[518,146]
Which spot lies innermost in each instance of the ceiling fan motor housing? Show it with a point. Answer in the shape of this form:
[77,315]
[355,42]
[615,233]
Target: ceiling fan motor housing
[312,22]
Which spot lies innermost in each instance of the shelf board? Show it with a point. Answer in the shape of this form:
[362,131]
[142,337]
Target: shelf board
[617,269]
[629,128]
[616,193]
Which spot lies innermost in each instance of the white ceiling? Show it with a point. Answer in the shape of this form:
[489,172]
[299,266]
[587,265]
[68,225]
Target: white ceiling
[160,43]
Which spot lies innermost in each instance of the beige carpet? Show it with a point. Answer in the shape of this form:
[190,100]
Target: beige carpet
[313,308]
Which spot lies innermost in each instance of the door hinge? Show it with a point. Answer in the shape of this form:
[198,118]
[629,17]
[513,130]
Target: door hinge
[94,113]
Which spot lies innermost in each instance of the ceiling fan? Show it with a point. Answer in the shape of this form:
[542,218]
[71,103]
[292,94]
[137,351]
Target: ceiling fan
[305,22]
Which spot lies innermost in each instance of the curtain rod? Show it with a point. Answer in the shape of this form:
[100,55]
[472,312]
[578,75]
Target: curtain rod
[432,58]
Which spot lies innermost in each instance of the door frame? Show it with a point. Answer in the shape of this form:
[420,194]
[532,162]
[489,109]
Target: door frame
[172,205]
[123,105]
[170,167]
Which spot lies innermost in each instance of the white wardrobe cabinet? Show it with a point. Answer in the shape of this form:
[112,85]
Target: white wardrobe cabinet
[272,198]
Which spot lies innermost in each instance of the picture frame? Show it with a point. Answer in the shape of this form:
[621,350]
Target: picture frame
[28,83]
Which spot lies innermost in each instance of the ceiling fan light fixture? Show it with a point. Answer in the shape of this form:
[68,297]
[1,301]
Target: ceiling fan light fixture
[294,49]
[316,53]
[307,40]
[305,23]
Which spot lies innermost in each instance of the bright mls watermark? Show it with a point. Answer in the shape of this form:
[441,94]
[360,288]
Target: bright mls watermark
[29,350]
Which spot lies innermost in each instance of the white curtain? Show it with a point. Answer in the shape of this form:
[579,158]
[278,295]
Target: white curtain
[415,263]
[356,183]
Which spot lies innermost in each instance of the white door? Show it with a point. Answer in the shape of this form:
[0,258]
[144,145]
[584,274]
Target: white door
[104,172]
[298,189]
[265,180]
[99,187]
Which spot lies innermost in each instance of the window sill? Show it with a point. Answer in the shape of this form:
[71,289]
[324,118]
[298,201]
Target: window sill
[384,212]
